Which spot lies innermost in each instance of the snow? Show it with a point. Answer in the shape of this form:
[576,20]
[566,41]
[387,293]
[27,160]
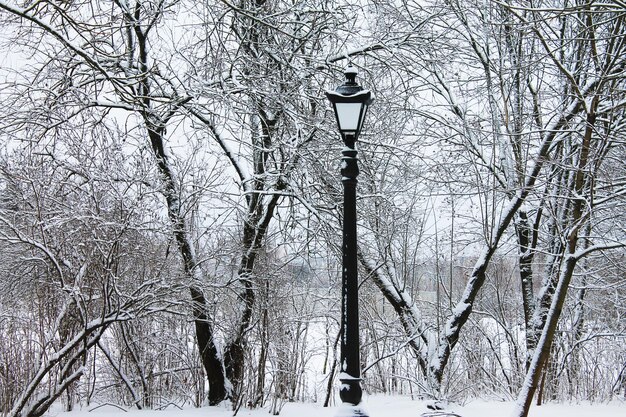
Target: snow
[343,376]
[373,406]
[348,410]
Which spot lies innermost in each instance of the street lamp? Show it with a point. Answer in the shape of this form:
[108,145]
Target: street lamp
[350,102]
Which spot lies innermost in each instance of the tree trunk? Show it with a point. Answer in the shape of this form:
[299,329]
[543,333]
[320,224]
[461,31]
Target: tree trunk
[525,259]
[542,353]
[211,360]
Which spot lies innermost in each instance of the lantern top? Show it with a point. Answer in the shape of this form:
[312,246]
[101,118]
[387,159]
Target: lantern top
[347,91]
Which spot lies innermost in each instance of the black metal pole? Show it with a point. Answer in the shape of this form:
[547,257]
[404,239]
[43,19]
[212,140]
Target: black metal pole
[350,377]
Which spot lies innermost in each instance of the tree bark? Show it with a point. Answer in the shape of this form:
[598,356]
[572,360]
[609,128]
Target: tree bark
[211,360]
[542,353]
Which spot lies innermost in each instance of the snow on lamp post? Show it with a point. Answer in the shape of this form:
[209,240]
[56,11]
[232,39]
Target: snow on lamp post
[350,102]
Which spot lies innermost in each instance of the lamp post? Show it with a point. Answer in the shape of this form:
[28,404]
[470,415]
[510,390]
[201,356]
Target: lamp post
[350,102]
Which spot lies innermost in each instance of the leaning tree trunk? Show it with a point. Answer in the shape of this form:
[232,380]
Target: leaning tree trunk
[204,329]
[542,352]
[255,229]
[156,127]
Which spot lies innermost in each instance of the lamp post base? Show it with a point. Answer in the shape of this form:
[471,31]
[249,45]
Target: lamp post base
[351,394]
[349,410]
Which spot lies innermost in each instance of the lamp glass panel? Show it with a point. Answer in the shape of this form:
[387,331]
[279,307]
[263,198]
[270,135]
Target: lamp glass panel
[348,115]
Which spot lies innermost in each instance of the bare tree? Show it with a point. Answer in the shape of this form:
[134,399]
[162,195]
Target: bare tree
[71,267]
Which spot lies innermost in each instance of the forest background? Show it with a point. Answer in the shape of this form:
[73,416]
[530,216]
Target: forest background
[170,200]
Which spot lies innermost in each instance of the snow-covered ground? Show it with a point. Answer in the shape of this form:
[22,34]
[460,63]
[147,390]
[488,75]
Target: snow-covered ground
[377,406]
